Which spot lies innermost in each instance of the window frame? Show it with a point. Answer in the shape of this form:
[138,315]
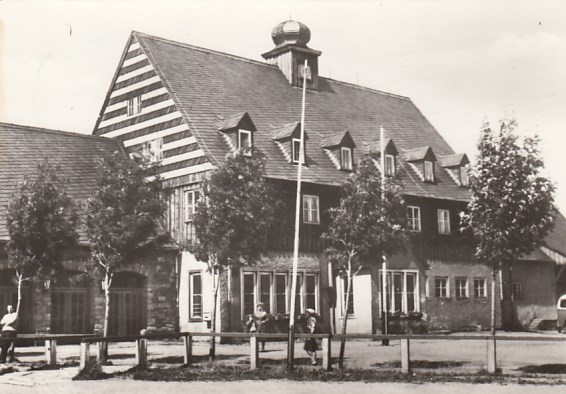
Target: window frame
[412,220]
[443,223]
[439,290]
[308,209]
[406,306]
[349,164]
[458,288]
[464,176]
[483,287]
[390,165]
[192,315]
[153,150]
[247,151]
[428,171]
[189,209]
[134,106]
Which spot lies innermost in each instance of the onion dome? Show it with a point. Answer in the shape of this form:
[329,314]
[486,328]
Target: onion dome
[291,32]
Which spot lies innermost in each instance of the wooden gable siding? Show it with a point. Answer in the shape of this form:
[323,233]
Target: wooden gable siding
[159,118]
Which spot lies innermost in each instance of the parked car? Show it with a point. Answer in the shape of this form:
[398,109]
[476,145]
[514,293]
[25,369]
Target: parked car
[561,309]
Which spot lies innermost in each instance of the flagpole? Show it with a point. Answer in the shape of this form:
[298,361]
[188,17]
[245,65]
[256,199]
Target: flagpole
[384,258]
[291,344]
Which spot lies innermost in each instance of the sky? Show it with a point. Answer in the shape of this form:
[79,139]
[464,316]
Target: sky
[461,62]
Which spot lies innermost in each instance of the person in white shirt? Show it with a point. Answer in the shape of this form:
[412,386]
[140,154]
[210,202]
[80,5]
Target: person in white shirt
[9,334]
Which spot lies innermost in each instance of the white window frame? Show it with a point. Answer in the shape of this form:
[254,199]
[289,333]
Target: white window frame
[134,106]
[464,176]
[428,171]
[461,291]
[153,150]
[443,221]
[311,215]
[295,149]
[404,307]
[390,165]
[480,289]
[192,315]
[247,150]
[414,221]
[441,289]
[191,198]
[346,158]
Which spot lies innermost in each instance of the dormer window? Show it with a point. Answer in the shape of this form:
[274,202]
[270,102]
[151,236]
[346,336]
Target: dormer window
[464,177]
[428,171]
[389,165]
[346,158]
[245,142]
[134,105]
[297,150]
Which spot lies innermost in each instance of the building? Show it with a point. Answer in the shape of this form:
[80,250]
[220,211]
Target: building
[187,107]
[143,294]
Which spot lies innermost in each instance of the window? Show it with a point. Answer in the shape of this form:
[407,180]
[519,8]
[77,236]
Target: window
[296,150]
[464,177]
[134,105]
[274,289]
[461,287]
[310,209]
[480,289]
[302,72]
[414,218]
[245,141]
[351,299]
[517,291]
[346,158]
[153,150]
[402,294]
[441,287]
[192,198]
[195,295]
[443,221]
[429,171]
[389,165]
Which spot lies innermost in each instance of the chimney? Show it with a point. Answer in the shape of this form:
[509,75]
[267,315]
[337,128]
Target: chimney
[291,50]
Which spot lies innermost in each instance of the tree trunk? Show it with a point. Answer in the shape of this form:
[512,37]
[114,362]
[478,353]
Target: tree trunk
[493,287]
[345,321]
[20,282]
[212,351]
[104,346]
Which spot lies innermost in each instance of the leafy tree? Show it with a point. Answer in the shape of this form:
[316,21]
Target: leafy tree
[123,215]
[41,221]
[233,221]
[512,204]
[370,223]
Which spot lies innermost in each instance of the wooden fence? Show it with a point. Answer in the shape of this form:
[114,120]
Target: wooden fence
[141,341]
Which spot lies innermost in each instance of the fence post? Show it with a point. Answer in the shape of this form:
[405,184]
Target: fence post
[405,355]
[51,351]
[326,353]
[85,355]
[102,354]
[141,351]
[254,355]
[188,340]
[491,355]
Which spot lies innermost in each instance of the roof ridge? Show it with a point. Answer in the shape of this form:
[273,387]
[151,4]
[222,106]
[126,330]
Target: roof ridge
[245,59]
[53,131]
[202,49]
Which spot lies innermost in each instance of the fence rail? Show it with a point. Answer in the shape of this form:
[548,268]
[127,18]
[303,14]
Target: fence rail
[142,340]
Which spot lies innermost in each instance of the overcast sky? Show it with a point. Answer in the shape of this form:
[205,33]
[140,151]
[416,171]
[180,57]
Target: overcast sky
[461,62]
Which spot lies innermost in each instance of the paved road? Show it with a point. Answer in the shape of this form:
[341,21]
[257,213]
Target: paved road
[271,387]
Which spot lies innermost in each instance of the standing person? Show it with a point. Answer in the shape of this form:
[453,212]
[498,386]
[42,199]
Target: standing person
[259,318]
[312,345]
[9,334]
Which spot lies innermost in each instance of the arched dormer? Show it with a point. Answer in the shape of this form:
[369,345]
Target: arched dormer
[424,160]
[238,132]
[457,167]
[340,147]
[288,138]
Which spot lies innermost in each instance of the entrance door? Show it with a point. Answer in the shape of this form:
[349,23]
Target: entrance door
[128,304]
[69,311]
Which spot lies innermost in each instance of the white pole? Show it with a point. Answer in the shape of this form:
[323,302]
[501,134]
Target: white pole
[291,342]
[384,258]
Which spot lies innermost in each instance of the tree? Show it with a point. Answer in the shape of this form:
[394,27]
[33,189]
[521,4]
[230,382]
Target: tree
[233,221]
[370,223]
[122,217]
[512,204]
[41,221]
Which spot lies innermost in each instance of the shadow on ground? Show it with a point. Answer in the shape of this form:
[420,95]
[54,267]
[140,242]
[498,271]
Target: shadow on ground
[544,368]
[424,364]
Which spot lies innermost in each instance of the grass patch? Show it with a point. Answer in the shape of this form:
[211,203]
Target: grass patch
[6,370]
[545,368]
[93,371]
[42,366]
[422,364]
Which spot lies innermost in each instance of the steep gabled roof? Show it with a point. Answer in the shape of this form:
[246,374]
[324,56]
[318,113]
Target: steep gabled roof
[284,132]
[456,160]
[234,121]
[418,154]
[336,139]
[206,85]
[22,148]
